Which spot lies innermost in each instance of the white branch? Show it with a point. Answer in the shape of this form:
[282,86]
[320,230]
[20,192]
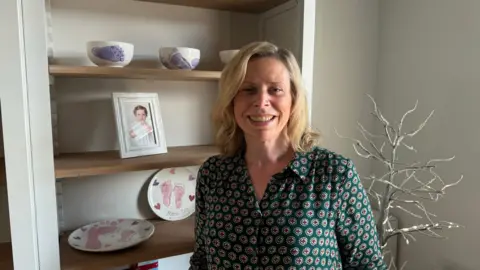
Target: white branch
[408,211]
[405,115]
[424,227]
[381,147]
[382,119]
[358,143]
[364,133]
[411,148]
[397,191]
[378,113]
[413,133]
[368,132]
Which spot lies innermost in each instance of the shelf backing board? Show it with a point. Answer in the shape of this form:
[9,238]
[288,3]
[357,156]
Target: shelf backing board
[245,6]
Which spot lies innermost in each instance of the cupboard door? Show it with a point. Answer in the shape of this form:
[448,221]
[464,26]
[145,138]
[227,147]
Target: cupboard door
[27,135]
[292,26]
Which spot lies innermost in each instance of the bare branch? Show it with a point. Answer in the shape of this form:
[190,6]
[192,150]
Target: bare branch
[364,133]
[377,113]
[420,206]
[453,184]
[429,234]
[358,143]
[368,132]
[408,212]
[440,160]
[411,148]
[381,147]
[413,133]
[382,119]
[392,266]
[397,192]
[424,227]
[408,178]
[405,115]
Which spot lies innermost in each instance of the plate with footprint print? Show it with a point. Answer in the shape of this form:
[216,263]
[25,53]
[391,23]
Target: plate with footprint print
[111,235]
[171,192]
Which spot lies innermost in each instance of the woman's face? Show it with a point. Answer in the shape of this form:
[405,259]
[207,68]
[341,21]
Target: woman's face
[263,103]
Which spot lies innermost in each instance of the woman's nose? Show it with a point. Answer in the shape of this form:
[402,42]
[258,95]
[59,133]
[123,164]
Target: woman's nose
[262,98]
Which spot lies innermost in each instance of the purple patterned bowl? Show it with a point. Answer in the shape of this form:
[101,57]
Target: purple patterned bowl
[179,57]
[110,53]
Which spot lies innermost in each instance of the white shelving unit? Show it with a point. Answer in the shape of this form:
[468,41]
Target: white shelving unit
[30,166]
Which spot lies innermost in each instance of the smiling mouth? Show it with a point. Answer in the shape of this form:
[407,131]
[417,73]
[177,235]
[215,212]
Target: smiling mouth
[262,119]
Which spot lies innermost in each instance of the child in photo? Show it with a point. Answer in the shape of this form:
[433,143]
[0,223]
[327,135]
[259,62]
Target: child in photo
[141,131]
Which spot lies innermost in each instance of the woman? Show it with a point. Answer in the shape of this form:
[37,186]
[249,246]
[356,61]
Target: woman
[273,199]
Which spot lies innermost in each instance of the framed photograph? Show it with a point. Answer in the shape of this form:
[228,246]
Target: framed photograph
[139,124]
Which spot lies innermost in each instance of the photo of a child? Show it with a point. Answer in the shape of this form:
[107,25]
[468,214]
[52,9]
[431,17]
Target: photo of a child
[139,124]
[141,128]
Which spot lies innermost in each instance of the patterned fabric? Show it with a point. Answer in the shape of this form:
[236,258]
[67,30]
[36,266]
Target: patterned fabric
[315,214]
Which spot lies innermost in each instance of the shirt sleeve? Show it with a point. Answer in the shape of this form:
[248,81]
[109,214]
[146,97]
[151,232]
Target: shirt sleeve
[198,260]
[356,230]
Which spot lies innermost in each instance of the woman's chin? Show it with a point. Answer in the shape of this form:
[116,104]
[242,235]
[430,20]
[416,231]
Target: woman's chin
[263,135]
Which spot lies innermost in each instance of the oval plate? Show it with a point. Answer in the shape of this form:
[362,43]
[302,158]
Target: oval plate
[171,192]
[111,235]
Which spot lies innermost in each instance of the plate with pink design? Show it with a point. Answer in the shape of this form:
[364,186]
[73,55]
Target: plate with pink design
[111,235]
[171,192]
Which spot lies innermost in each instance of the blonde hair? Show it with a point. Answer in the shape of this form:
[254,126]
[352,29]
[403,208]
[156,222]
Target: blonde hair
[228,136]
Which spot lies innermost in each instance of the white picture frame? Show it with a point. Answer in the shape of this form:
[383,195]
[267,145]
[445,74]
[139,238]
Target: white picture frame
[139,124]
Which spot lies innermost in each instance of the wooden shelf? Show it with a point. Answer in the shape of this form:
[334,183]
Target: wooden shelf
[171,238]
[133,73]
[98,163]
[248,6]
[101,163]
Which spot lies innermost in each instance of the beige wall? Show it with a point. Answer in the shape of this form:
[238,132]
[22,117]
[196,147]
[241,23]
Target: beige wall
[401,51]
[429,50]
[345,71]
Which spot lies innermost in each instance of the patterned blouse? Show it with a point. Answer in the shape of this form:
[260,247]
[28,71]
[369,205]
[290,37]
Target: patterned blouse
[315,214]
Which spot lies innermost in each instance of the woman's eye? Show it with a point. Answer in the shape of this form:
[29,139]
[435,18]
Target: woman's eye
[277,89]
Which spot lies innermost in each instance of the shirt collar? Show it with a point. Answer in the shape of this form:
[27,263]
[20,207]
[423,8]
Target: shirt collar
[300,164]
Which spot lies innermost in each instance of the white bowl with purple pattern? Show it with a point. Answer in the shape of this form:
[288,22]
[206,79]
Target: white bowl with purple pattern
[179,57]
[110,53]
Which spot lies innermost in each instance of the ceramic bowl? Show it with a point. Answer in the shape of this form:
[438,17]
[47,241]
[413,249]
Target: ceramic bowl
[110,53]
[179,57]
[227,55]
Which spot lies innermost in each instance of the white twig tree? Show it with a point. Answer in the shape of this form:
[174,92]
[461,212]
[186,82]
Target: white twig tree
[403,185]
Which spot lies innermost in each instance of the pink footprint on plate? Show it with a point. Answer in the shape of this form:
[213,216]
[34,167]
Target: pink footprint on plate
[166,192]
[92,238]
[178,191]
[126,235]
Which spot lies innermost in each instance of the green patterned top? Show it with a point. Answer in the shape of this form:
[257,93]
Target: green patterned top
[315,214]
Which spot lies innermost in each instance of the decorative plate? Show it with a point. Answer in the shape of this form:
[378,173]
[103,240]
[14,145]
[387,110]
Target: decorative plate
[111,235]
[171,192]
